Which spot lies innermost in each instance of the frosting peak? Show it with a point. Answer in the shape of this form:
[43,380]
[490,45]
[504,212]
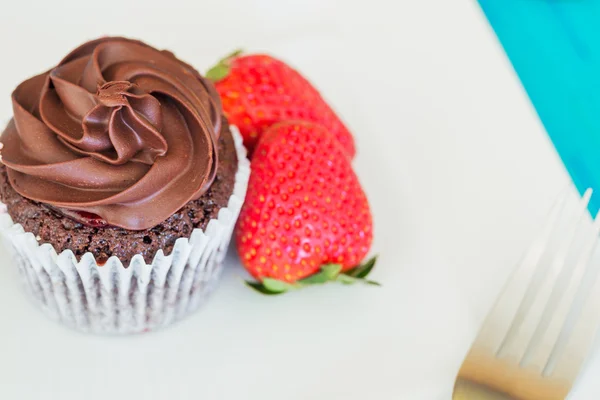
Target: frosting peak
[124,126]
[117,129]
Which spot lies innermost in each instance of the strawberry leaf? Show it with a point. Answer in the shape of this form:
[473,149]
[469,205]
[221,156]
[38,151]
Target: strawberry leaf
[359,274]
[260,288]
[328,273]
[231,55]
[350,280]
[222,69]
[277,286]
[331,270]
[218,72]
[347,279]
[362,271]
[315,279]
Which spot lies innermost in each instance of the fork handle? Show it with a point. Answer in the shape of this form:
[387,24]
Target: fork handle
[467,390]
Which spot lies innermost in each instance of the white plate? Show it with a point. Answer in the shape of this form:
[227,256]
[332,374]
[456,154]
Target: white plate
[458,169]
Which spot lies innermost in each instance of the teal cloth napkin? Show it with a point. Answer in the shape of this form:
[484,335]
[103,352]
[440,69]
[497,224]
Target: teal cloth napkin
[554,46]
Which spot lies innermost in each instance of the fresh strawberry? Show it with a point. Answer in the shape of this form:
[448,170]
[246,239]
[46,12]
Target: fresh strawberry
[306,218]
[259,90]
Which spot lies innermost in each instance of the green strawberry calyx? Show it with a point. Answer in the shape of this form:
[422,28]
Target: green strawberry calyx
[221,70]
[328,273]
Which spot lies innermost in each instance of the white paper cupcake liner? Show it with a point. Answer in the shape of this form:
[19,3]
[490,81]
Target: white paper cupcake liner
[112,299]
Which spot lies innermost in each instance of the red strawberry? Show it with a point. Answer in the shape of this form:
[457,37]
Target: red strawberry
[259,90]
[305,212]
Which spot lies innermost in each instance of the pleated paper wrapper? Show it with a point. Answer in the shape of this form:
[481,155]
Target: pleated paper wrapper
[112,299]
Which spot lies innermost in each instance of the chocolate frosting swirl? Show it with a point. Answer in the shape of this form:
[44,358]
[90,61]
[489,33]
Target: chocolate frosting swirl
[118,129]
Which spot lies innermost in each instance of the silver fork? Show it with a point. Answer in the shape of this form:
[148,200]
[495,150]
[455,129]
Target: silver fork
[536,337]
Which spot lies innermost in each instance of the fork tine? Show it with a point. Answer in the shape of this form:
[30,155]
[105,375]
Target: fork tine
[535,339]
[572,347]
[531,309]
[496,325]
[559,306]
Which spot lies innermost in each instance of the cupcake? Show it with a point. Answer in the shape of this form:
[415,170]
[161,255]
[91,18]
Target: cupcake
[121,184]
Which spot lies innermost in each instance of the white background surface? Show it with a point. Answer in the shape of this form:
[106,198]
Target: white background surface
[458,169]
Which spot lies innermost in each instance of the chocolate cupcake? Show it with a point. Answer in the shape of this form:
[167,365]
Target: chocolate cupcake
[122,182]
